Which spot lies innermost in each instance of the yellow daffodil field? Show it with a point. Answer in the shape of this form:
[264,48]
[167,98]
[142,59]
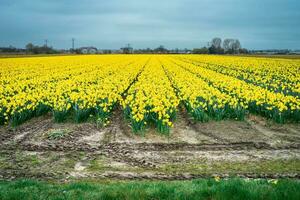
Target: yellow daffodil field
[149,89]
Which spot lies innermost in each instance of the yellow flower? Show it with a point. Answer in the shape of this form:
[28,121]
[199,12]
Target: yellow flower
[217,178]
[150,85]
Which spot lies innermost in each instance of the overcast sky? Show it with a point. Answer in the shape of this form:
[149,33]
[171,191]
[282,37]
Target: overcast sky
[258,24]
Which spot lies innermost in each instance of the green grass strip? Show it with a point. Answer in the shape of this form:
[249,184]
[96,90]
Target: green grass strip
[194,189]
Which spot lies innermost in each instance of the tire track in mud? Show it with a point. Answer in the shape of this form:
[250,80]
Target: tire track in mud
[274,134]
[114,151]
[27,134]
[16,174]
[126,153]
[186,176]
[194,126]
[6,136]
[127,141]
[85,147]
[119,127]
[127,156]
[22,133]
[200,147]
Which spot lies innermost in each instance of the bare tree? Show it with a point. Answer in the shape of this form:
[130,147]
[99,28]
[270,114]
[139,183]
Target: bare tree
[231,45]
[216,42]
[236,46]
[29,46]
[227,44]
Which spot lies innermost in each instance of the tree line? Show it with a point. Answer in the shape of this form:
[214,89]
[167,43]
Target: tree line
[29,49]
[216,46]
[35,49]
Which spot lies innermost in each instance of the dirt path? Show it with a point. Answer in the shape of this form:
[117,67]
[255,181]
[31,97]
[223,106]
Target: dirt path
[252,148]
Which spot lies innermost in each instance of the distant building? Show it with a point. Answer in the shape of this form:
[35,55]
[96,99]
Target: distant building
[180,51]
[271,51]
[88,50]
[184,51]
[116,51]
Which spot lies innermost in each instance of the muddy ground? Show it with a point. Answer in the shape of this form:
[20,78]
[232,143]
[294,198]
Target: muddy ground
[255,148]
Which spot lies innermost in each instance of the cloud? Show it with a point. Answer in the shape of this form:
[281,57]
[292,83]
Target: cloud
[177,23]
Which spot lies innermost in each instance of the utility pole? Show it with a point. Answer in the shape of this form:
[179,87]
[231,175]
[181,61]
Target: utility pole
[73,41]
[46,43]
[129,48]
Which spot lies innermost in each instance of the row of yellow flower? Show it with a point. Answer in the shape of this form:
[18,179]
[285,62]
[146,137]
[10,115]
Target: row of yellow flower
[200,98]
[61,83]
[151,99]
[260,100]
[149,88]
[278,75]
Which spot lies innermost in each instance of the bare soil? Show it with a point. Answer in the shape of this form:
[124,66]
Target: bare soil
[251,148]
